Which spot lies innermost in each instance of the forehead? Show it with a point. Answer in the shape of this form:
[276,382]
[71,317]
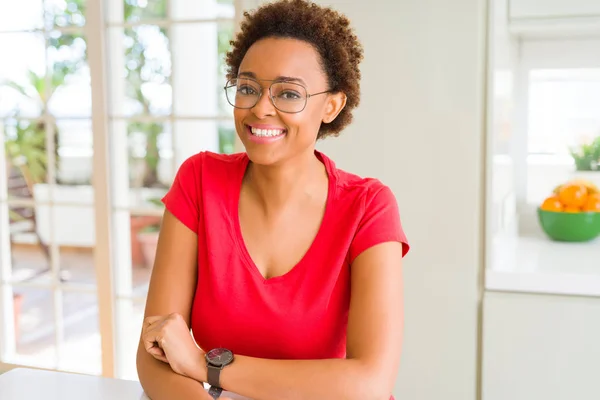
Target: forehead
[273,57]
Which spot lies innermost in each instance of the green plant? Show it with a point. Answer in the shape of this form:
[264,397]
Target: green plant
[25,147]
[25,141]
[587,156]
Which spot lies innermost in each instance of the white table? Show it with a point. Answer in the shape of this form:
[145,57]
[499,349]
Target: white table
[31,384]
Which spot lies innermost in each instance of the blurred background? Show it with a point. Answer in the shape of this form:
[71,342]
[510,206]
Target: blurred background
[483,116]
[164,73]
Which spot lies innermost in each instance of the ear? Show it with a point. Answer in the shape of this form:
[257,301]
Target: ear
[335,104]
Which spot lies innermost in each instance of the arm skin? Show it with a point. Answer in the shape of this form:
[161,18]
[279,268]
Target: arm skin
[171,290]
[373,345]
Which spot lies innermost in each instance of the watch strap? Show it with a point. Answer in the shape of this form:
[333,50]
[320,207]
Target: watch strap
[215,392]
[213,375]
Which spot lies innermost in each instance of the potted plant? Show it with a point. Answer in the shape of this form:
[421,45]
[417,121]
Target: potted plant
[148,237]
[587,161]
[587,156]
[17,308]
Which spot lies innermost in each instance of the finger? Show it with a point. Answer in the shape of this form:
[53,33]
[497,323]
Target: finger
[151,340]
[158,354]
[157,325]
[157,351]
[161,359]
[152,319]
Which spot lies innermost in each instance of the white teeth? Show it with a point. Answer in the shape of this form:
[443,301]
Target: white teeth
[266,132]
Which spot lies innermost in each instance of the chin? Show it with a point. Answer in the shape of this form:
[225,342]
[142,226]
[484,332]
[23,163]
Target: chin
[263,157]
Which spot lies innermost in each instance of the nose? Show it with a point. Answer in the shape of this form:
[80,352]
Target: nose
[264,107]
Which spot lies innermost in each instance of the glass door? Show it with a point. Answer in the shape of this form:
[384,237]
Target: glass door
[165,77]
[48,290]
[101,101]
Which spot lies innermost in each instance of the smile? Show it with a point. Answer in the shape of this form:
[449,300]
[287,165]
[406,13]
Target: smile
[267,132]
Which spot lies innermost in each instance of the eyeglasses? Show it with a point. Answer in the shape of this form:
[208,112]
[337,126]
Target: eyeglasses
[287,97]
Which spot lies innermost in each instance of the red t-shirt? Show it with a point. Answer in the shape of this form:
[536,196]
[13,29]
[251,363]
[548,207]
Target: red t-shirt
[302,314]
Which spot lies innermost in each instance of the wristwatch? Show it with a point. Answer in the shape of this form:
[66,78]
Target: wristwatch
[216,360]
[215,392]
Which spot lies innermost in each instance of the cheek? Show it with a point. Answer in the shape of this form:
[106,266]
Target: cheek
[239,116]
[306,122]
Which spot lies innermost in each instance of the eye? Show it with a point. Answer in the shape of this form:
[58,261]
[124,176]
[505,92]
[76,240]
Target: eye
[246,90]
[289,95]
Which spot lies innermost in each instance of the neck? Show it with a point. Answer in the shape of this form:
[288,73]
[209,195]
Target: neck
[283,185]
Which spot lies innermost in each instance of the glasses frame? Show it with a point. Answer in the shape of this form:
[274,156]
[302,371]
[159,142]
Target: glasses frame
[260,93]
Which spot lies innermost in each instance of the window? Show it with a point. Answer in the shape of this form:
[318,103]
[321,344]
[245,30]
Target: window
[165,70]
[564,109]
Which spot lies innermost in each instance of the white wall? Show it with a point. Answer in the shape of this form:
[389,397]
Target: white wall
[420,130]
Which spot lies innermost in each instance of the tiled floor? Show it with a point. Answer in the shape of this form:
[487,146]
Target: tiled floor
[80,344]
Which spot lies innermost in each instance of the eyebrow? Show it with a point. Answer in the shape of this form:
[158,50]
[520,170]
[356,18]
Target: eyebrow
[252,75]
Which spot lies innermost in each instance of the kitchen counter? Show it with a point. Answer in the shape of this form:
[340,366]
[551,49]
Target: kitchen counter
[539,265]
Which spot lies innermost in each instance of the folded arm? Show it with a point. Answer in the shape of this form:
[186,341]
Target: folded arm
[171,290]
[373,344]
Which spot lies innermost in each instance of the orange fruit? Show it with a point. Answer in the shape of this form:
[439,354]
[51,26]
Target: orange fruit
[571,209]
[592,203]
[573,195]
[552,203]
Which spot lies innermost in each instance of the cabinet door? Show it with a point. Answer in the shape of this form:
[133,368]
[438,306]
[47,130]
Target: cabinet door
[540,347]
[553,8]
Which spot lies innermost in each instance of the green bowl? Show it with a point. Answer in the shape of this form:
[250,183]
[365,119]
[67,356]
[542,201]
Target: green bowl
[570,227]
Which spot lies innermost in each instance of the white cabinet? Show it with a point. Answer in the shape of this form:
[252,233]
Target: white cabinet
[540,347]
[553,8]
[553,18]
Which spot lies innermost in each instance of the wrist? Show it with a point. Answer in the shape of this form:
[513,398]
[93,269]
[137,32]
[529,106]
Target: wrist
[199,370]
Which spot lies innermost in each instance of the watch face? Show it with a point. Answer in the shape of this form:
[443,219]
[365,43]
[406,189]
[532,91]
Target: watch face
[219,357]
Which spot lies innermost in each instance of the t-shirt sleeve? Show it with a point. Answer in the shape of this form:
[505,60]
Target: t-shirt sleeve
[183,198]
[380,223]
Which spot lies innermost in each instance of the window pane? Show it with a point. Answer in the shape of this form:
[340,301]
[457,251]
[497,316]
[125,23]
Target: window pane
[130,316]
[140,10]
[64,13]
[141,55]
[192,137]
[26,156]
[225,35]
[150,158]
[563,109]
[199,76]
[201,9]
[21,15]
[70,76]
[227,137]
[75,153]
[29,252]
[80,349]
[22,79]
[35,331]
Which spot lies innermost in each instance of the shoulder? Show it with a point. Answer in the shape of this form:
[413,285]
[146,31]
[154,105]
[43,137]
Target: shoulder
[216,164]
[209,159]
[372,209]
[367,190]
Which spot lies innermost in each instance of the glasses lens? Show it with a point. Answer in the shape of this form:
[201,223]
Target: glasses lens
[242,93]
[288,97]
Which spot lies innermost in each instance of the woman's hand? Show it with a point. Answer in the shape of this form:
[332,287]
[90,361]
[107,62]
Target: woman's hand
[168,339]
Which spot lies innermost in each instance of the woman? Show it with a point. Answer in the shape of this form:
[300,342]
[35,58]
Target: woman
[286,269]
